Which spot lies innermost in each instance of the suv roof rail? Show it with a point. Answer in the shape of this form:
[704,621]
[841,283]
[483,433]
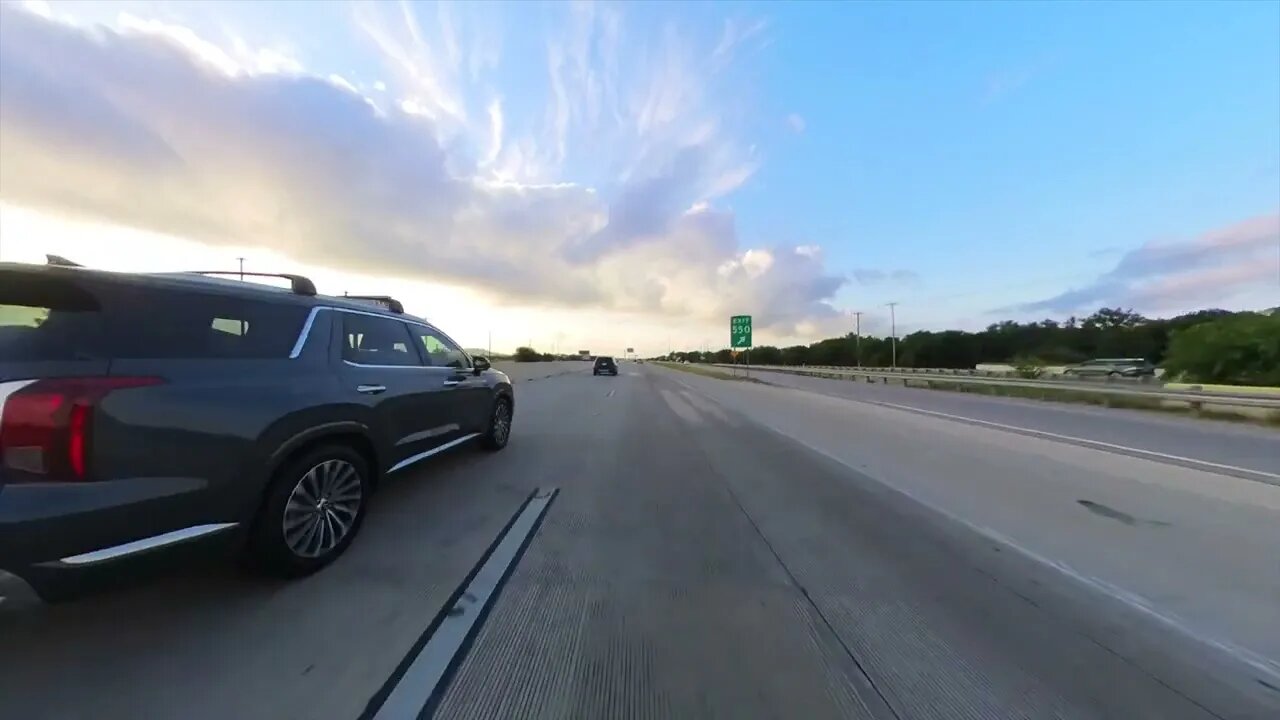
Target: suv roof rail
[383,301]
[60,261]
[300,284]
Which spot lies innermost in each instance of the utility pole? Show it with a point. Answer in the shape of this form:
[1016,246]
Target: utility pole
[857,343]
[490,346]
[893,332]
[241,269]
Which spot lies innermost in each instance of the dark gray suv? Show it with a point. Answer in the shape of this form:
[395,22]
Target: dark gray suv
[144,417]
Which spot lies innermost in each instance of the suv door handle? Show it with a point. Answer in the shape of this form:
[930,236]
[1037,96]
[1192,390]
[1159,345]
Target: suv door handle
[371,389]
[450,383]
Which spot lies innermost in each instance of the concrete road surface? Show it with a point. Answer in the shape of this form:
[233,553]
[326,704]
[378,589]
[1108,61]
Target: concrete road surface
[1236,448]
[716,549]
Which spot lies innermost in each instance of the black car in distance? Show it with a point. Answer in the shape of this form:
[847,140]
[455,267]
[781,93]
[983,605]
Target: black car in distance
[149,416]
[605,365]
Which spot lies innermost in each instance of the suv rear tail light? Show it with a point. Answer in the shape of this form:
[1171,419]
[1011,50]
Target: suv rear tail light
[46,428]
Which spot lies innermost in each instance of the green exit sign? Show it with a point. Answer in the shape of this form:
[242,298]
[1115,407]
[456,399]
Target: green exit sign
[740,331]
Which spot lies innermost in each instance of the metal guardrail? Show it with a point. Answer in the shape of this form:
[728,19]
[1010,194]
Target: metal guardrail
[1196,399]
[970,372]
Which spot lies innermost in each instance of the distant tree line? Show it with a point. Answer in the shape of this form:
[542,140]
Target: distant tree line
[528,354]
[1203,346]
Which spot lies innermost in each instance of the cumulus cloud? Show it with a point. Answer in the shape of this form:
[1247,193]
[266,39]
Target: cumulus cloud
[1163,276]
[152,129]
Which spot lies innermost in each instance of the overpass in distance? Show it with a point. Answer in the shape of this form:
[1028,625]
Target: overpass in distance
[808,548]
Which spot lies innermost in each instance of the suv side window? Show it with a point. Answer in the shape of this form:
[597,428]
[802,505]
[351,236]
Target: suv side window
[371,340]
[45,319]
[162,323]
[440,351]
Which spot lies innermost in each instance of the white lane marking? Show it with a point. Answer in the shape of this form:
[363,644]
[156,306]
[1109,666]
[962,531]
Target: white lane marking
[149,543]
[1270,477]
[1261,663]
[706,405]
[681,408]
[420,682]
[610,393]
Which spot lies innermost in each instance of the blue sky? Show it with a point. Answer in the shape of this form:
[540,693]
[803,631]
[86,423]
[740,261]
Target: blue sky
[658,166]
[1020,143]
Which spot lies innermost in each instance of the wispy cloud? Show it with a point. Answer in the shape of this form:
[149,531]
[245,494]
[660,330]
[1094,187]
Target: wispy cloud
[1176,275]
[496,124]
[796,123]
[315,170]
[736,33]
[423,68]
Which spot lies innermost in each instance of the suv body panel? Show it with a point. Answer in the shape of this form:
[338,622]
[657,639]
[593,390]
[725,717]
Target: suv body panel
[182,466]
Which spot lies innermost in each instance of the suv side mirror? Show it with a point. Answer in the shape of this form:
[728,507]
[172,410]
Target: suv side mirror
[480,363]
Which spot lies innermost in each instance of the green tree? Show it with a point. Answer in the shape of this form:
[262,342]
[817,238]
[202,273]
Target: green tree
[1241,349]
[1109,332]
[766,355]
[528,354]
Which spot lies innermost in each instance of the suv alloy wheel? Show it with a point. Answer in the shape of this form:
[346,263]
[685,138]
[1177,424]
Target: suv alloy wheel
[499,432]
[312,511]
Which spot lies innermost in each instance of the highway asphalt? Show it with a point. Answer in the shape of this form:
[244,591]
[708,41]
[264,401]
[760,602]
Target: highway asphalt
[661,544]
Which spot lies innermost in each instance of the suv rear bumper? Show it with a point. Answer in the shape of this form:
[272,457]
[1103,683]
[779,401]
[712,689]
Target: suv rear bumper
[76,575]
[15,592]
[60,541]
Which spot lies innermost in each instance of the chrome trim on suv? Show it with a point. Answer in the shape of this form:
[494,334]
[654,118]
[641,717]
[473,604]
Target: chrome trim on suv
[424,455]
[305,333]
[137,546]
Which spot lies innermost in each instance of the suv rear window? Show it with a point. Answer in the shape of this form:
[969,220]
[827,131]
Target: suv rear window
[149,322]
[47,319]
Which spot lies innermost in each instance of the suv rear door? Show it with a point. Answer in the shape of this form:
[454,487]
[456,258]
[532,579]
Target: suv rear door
[381,367]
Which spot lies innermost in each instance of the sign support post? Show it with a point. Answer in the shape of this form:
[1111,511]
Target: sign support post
[740,337]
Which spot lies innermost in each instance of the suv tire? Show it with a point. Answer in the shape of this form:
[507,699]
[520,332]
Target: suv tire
[499,431]
[312,510]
